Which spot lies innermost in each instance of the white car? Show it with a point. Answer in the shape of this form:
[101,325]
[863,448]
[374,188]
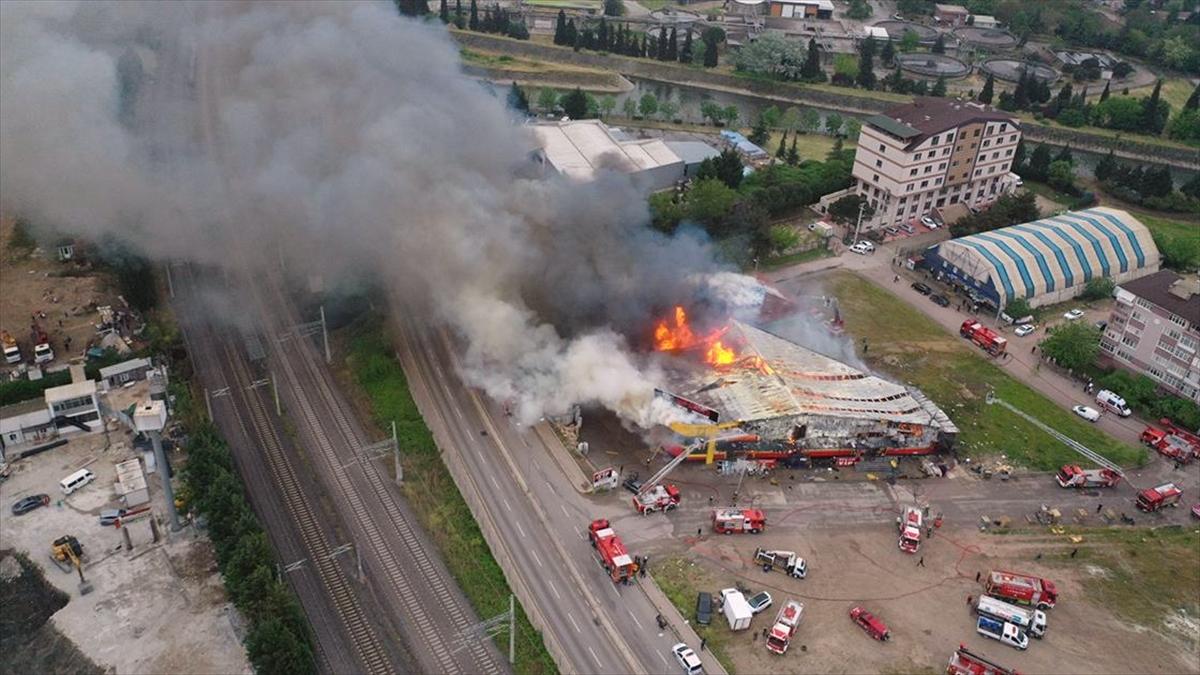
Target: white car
[1089,414]
[862,248]
[1025,329]
[929,222]
[687,659]
[1073,314]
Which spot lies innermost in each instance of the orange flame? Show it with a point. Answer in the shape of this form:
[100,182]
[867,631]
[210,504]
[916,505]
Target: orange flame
[679,337]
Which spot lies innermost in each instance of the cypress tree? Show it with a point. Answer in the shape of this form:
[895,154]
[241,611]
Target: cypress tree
[560,28]
[1151,121]
[710,53]
[473,21]
[1021,92]
[602,36]
[459,21]
[444,12]
[793,155]
[1104,168]
[811,70]
[1104,94]
[985,94]
[570,35]
[645,48]
[660,51]
[939,88]
[673,46]
[1193,101]
[781,151]
[685,54]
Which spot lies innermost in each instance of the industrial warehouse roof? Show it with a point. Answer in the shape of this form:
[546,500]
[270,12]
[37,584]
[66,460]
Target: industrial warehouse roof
[580,148]
[1053,253]
[774,377]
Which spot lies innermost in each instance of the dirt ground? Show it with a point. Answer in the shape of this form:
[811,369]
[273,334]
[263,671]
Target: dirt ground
[160,608]
[31,284]
[925,607]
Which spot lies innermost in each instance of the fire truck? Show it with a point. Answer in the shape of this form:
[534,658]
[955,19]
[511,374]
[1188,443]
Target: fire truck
[12,352]
[787,622]
[1153,499]
[1072,476]
[729,521]
[966,662]
[611,551]
[42,353]
[1171,443]
[1022,589]
[658,498]
[909,526]
[786,561]
[983,336]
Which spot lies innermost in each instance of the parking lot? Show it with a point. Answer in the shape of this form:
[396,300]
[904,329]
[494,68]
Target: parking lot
[158,608]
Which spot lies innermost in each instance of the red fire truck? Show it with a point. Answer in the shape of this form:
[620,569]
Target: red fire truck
[786,624]
[983,336]
[1022,589]
[1172,443]
[965,662]
[611,551]
[910,529]
[1153,499]
[1073,476]
[729,521]
[659,498]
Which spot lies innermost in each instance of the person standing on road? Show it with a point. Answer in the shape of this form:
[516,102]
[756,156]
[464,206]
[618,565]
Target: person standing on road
[703,643]
[977,575]
[1099,507]
[921,562]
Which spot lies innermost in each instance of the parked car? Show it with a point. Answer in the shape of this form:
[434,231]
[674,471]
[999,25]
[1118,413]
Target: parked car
[687,659]
[704,607]
[1073,314]
[1025,329]
[111,516]
[929,222]
[891,231]
[868,245]
[1087,413]
[1101,326]
[759,602]
[1196,510]
[860,249]
[868,622]
[940,300]
[906,227]
[633,483]
[27,504]
[921,288]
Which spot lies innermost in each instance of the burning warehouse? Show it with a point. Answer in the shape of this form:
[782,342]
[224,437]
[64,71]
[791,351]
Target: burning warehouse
[765,397]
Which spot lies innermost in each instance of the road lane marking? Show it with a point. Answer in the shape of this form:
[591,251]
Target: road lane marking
[614,590]
[554,589]
[493,477]
[662,658]
[507,505]
[519,528]
[564,510]
[634,617]
[572,618]
[594,657]
[536,559]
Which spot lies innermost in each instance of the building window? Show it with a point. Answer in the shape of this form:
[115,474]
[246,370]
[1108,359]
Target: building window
[929,168]
[878,163]
[978,171]
[935,140]
[924,183]
[882,147]
[945,152]
[913,172]
[1003,126]
[909,188]
[902,200]
[913,209]
[1177,320]
[954,163]
[986,143]
[1012,138]
[941,202]
[1004,167]
[917,156]
[1129,341]
[941,166]
[875,178]
[976,133]
[950,137]
[1140,302]
[1008,152]
[938,181]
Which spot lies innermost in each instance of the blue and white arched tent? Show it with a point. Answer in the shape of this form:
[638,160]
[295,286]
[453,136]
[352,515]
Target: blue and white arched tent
[1049,260]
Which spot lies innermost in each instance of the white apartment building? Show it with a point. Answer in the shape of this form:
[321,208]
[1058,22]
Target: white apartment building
[931,153]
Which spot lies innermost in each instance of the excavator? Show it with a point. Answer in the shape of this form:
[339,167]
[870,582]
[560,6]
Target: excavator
[67,552]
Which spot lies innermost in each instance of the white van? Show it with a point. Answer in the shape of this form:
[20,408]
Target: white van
[1110,401]
[76,480]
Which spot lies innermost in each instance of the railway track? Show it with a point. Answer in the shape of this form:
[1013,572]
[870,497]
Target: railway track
[367,646]
[396,547]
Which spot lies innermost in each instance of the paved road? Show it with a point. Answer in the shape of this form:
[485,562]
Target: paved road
[591,625]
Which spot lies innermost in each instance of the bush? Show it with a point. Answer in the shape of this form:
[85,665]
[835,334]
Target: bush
[1098,289]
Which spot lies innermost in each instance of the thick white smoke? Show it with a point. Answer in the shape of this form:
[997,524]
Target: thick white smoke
[348,140]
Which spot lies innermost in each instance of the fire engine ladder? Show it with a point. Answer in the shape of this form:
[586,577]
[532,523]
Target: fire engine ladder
[1075,445]
[662,473]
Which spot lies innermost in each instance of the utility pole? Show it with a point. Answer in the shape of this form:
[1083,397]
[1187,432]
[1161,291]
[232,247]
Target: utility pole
[396,454]
[170,283]
[325,337]
[275,393]
[490,628]
[858,224]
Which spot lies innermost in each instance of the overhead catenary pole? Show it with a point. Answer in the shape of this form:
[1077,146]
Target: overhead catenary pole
[275,393]
[325,337]
[396,454]
[512,630]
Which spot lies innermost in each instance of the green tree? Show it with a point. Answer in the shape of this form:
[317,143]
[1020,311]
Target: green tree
[1039,163]
[811,71]
[575,104]
[939,88]
[791,118]
[517,100]
[1153,119]
[1193,101]
[444,12]
[607,105]
[685,53]
[909,42]
[1018,308]
[772,115]
[711,111]
[846,209]
[730,115]
[853,127]
[1186,126]
[783,238]
[1105,167]
[709,200]
[648,105]
[614,8]
[781,151]
[712,37]
[985,94]
[833,123]
[1104,94]
[1073,345]
[1099,288]
[630,107]
[888,54]
[560,28]
[810,120]
[460,21]
[547,100]
[859,10]
[725,167]
[845,66]
[1061,175]
[759,134]
[473,21]
[866,65]
[793,154]
[273,648]
[1122,113]
[668,108]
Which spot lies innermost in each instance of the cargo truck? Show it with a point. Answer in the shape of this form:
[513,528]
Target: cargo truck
[1032,621]
[1008,633]
[1022,589]
[1073,476]
[735,608]
[786,561]
[787,622]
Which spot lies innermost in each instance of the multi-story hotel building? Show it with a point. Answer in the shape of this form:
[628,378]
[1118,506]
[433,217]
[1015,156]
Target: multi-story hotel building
[931,153]
[1155,330]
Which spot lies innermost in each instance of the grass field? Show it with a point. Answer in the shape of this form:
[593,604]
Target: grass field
[795,258]
[432,493]
[812,145]
[681,579]
[1152,574]
[1175,90]
[912,349]
[494,60]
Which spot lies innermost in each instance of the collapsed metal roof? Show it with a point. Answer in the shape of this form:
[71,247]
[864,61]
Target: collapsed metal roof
[774,377]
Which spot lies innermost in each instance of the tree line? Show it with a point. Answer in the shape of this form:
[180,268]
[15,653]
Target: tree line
[496,19]
[605,37]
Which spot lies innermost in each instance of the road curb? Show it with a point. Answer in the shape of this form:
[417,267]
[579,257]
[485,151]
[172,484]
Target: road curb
[574,473]
[679,625]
